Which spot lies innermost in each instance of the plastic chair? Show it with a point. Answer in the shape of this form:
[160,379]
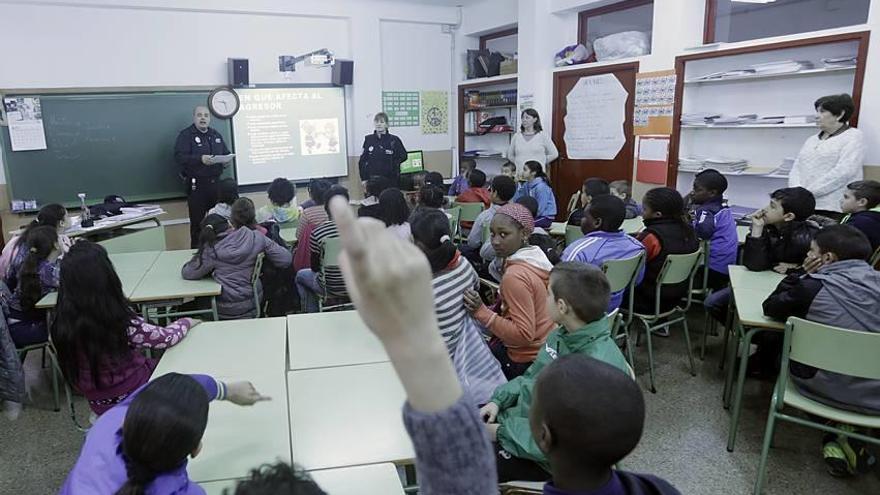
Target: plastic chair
[330,259]
[454,214]
[622,274]
[486,234]
[572,233]
[469,213]
[848,352]
[875,259]
[701,294]
[676,269]
[46,347]
[255,284]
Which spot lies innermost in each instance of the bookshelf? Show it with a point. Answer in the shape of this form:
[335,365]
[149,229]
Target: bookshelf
[478,100]
[764,146]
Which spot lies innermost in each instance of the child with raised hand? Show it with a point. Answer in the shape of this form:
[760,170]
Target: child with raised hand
[861,203]
[142,444]
[604,240]
[592,188]
[33,274]
[522,323]
[623,190]
[228,194]
[665,233]
[537,185]
[230,255]
[585,418]
[576,300]
[98,337]
[452,452]
[282,206]
[713,222]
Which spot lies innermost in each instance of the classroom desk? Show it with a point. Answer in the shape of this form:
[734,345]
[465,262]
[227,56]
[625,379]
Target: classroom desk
[237,438]
[335,338]
[749,290]
[163,285]
[372,479]
[347,416]
[130,267]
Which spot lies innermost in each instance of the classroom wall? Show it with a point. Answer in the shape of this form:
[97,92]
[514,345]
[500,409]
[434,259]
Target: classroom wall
[546,26]
[130,43]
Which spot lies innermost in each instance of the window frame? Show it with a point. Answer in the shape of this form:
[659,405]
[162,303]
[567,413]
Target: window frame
[584,15]
[504,33]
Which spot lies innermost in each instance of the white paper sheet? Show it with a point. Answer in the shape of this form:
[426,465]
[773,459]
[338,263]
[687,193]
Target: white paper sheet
[653,149]
[224,159]
[595,113]
[25,117]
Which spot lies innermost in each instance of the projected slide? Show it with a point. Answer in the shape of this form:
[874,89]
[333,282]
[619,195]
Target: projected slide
[297,133]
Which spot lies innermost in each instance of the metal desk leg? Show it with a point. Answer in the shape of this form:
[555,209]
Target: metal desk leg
[741,378]
[214,308]
[732,349]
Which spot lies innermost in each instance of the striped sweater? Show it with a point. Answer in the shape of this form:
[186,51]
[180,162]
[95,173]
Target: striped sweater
[449,287]
[331,277]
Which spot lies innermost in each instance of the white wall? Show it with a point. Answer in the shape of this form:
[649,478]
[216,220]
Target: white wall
[116,43]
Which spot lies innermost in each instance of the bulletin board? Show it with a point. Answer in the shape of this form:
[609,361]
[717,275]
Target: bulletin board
[655,97]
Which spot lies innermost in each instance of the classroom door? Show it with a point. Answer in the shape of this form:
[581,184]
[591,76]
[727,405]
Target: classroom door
[566,174]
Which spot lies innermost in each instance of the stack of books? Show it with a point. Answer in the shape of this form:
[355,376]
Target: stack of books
[785,168]
[690,164]
[726,165]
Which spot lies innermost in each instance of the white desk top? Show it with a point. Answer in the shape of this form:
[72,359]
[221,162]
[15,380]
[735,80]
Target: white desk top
[373,479]
[336,338]
[750,289]
[111,223]
[237,438]
[130,267]
[163,280]
[347,416]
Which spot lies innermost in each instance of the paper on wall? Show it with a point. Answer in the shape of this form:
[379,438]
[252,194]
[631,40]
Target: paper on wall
[595,113]
[653,149]
[25,117]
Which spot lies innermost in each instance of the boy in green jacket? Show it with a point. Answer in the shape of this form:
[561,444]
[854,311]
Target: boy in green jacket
[577,298]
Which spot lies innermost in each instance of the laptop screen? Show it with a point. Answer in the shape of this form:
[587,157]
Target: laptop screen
[413,163]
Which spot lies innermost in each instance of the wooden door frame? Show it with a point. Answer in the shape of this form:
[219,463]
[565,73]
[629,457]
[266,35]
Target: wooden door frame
[861,37]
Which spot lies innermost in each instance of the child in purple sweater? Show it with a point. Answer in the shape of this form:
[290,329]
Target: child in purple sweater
[98,336]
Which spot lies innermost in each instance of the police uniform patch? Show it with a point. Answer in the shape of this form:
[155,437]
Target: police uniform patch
[198,140]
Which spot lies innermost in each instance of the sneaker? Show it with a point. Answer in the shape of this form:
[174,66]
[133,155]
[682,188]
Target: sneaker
[858,456]
[835,460]
[11,410]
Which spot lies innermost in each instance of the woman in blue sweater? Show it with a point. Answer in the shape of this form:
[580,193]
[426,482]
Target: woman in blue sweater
[537,186]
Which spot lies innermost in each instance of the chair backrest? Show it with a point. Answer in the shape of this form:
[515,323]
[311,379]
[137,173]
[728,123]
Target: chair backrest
[255,281]
[621,273]
[332,250]
[848,352]
[484,236]
[679,267]
[705,245]
[469,211]
[572,233]
[454,219]
[875,258]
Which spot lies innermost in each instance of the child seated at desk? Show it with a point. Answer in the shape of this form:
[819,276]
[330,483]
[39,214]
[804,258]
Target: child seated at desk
[142,445]
[713,222]
[502,191]
[394,212]
[228,194]
[666,232]
[623,190]
[370,205]
[576,300]
[98,337]
[521,324]
[860,203]
[229,254]
[461,183]
[842,290]
[508,168]
[779,239]
[476,193]
[282,206]
[592,187]
[311,217]
[32,274]
[537,185]
[540,237]
[603,240]
[52,215]
[585,418]
[313,282]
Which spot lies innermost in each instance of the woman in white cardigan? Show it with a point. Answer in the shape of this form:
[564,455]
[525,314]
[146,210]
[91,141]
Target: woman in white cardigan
[531,143]
[830,160]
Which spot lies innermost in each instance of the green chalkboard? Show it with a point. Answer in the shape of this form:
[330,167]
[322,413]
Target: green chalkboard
[100,144]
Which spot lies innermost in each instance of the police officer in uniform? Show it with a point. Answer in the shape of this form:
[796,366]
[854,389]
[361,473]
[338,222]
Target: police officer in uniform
[383,153]
[193,151]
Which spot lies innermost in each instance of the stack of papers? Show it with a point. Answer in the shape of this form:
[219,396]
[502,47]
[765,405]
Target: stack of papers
[483,153]
[839,62]
[785,168]
[781,67]
[800,119]
[701,118]
[690,164]
[726,165]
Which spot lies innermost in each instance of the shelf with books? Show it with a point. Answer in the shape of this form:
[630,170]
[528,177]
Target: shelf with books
[751,126]
[807,72]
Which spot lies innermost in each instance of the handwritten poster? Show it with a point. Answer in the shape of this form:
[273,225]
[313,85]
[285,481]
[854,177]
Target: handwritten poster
[25,117]
[595,113]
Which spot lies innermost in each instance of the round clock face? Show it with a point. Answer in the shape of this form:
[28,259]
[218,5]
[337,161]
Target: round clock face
[223,102]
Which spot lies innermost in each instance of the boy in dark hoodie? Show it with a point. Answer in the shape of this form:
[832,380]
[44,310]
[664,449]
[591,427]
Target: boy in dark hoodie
[860,203]
[586,417]
[779,240]
[842,290]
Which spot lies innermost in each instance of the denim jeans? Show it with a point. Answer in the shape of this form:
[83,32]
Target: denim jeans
[309,290]
[716,304]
